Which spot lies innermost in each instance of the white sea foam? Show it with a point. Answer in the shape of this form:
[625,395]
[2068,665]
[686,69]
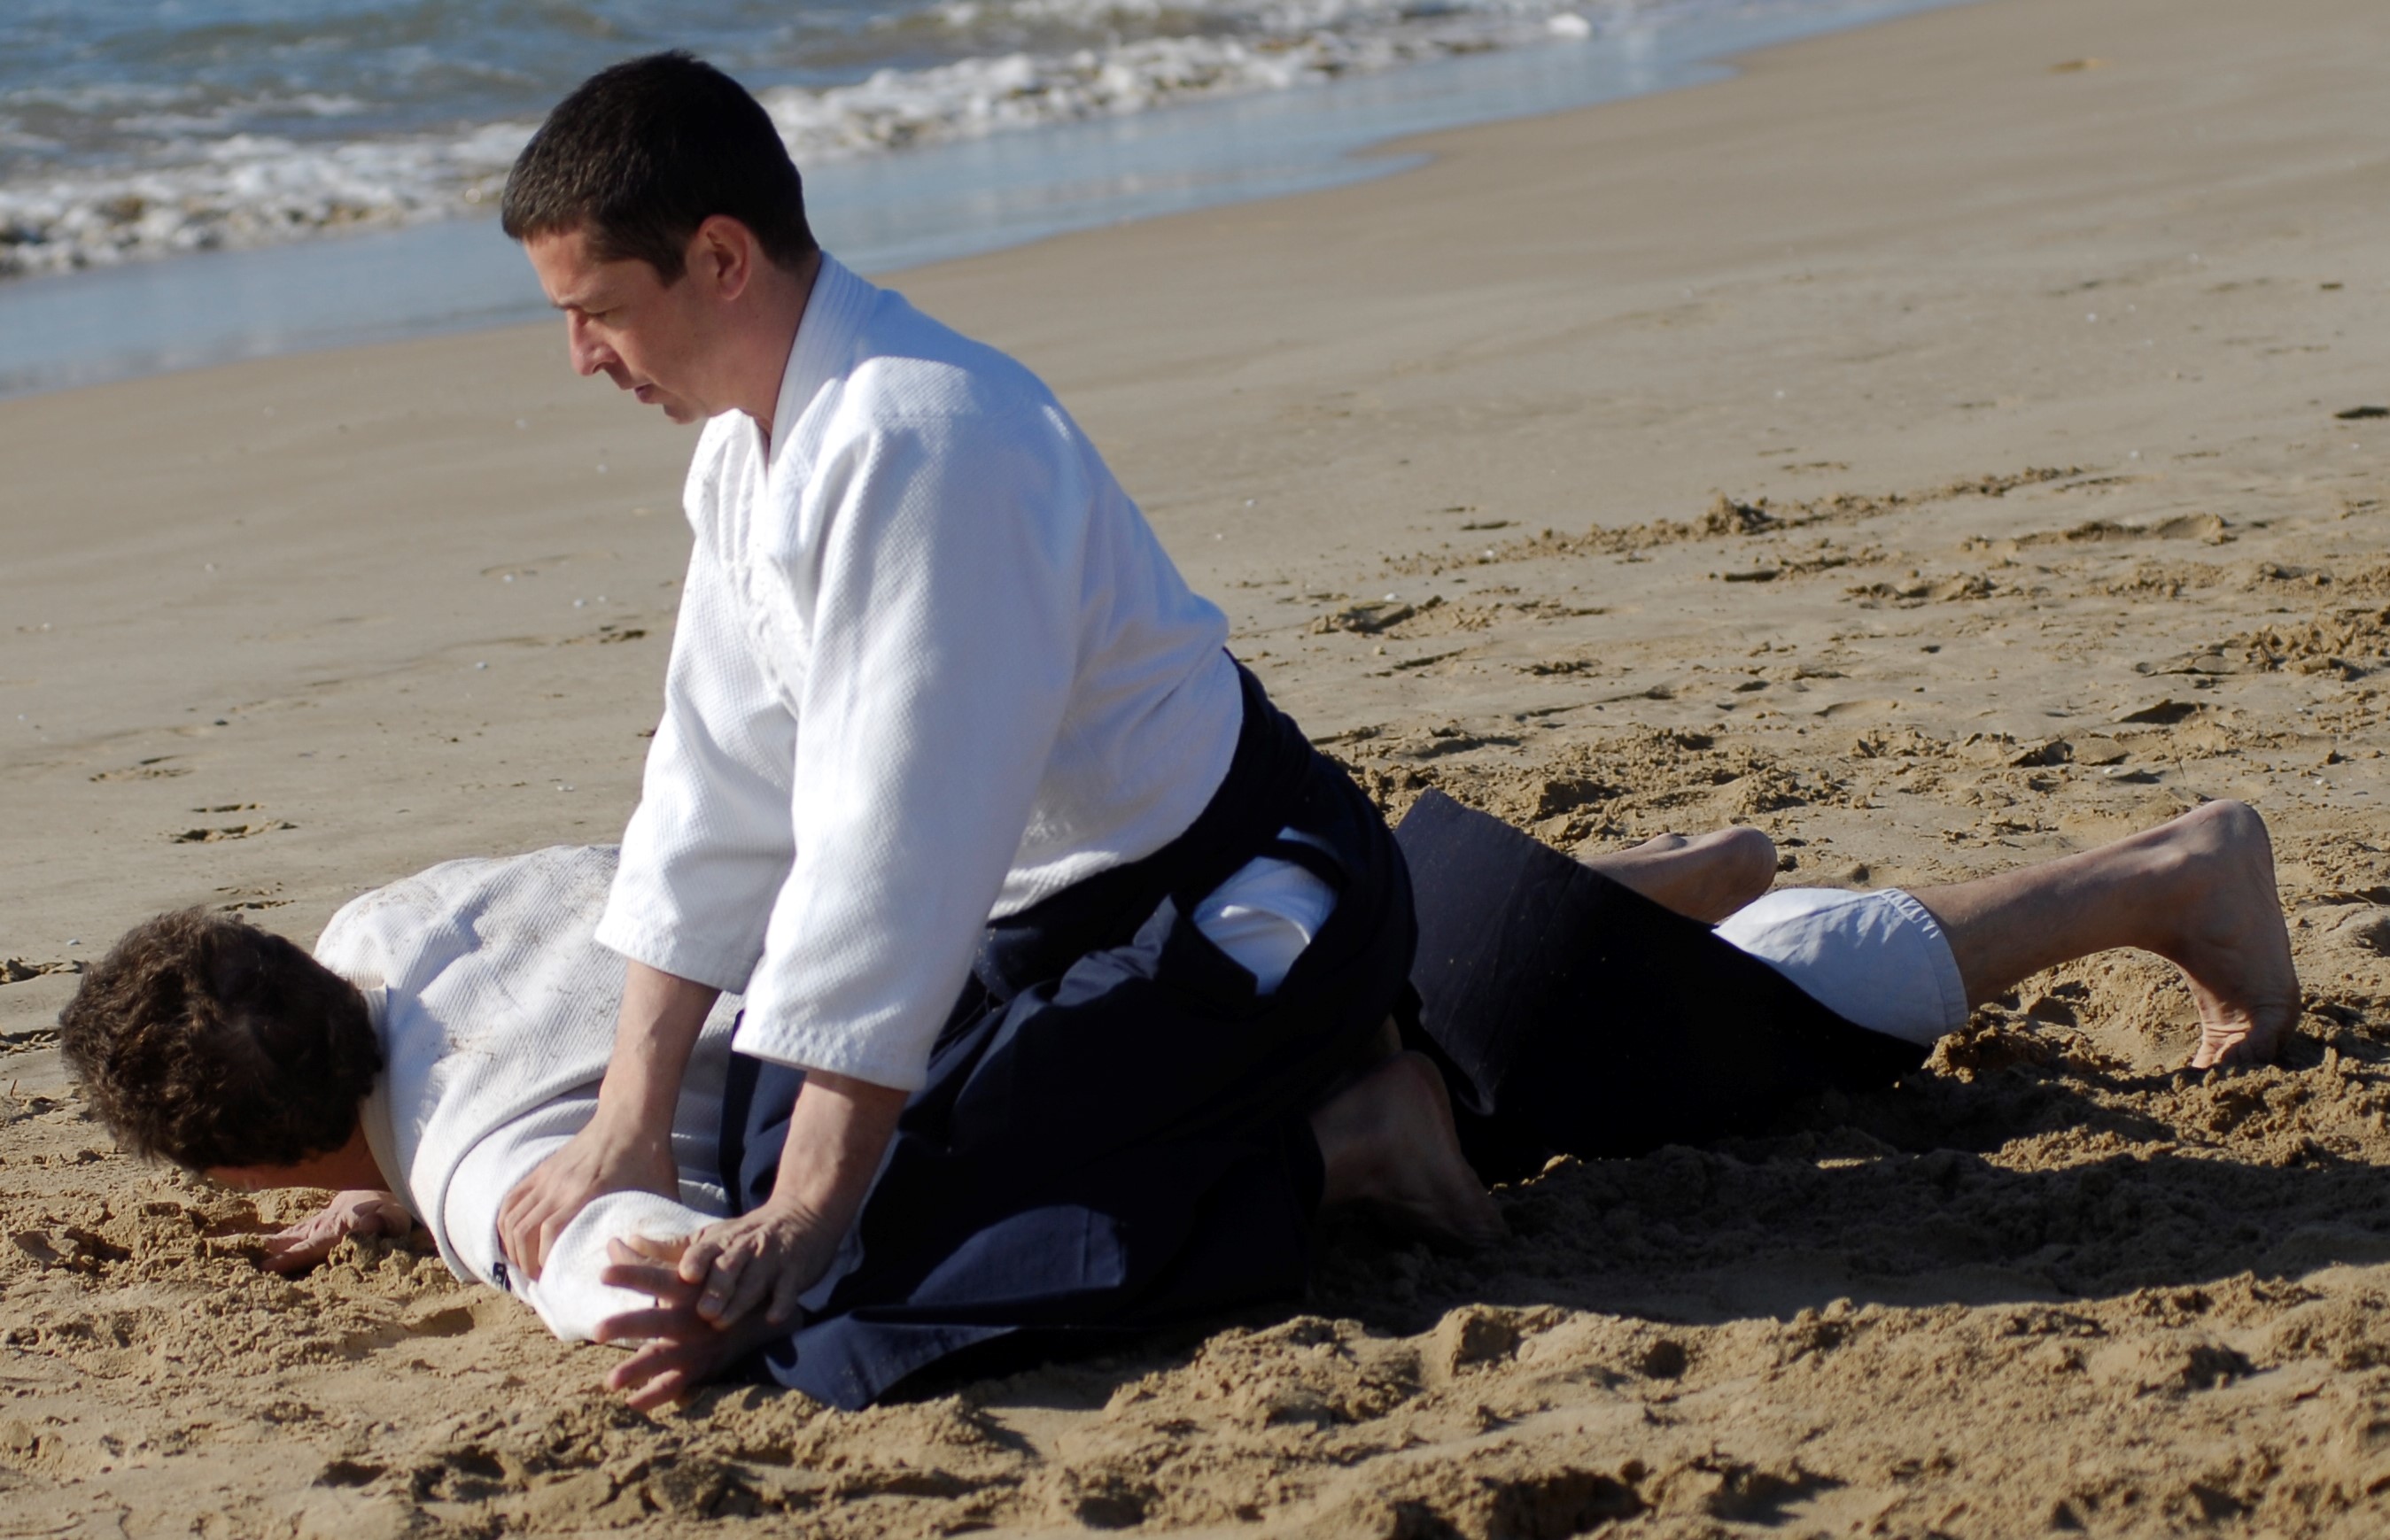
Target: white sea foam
[247,190]
[196,186]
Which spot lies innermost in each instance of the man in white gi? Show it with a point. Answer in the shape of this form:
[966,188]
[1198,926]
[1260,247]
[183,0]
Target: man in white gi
[933,668]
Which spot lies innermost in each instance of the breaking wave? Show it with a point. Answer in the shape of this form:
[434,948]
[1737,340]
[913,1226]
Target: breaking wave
[114,171]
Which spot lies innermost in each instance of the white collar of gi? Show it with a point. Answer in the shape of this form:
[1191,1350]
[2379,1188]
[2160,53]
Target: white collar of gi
[824,345]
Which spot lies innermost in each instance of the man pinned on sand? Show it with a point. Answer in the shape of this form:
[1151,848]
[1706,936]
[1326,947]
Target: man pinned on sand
[452,1032]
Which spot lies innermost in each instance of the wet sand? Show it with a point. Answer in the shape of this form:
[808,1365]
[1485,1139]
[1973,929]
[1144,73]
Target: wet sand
[1942,446]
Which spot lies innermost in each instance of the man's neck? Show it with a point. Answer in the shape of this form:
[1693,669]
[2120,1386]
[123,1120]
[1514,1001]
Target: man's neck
[780,298]
[350,1168]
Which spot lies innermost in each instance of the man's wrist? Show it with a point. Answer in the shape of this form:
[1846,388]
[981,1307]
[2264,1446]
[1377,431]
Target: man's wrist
[638,1111]
[838,1133]
[800,1202]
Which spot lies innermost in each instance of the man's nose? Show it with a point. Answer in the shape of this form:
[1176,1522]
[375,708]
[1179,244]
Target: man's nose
[588,354]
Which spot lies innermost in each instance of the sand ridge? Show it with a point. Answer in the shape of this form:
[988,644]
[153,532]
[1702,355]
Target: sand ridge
[1930,456]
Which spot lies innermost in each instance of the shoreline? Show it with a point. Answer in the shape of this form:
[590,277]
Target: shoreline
[1943,445]
[890,211]
[1216,417]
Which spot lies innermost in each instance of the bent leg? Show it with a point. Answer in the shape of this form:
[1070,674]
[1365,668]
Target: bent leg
[1706,878]
[1571,1013]
[1880,959]
[1388,1141]
[2199,891]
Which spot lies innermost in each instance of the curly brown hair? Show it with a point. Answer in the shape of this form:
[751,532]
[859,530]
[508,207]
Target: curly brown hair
[210,1042]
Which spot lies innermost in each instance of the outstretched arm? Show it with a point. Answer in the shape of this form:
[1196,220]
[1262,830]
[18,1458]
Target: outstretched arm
[626,1145]
[361,1212]
[706,1289]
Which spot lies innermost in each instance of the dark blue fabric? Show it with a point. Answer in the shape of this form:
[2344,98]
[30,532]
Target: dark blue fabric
[1114,1133]
[1572,1015]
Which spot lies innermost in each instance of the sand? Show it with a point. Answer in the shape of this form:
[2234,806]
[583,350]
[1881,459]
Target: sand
[1942,446]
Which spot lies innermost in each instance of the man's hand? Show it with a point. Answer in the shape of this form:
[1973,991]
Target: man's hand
[679,1350]
[626,1145]
[312,1239]
[766,1257]
[599,1160]
[836,1132]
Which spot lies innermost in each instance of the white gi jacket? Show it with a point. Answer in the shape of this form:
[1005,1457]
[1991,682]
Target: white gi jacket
[495,1009]
[494,1006]
[932,667]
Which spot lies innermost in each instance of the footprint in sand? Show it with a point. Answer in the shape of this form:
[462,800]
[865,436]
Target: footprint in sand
[2207,527]
[2163,712]
[607,633]
[233,831]
[16,971]
[146,770]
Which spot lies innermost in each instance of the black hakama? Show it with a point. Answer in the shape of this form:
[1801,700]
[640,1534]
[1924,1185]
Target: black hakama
[1573,1016]
[1115,1133]
[1114,1136]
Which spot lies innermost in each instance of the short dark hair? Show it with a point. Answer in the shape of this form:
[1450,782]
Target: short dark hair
[644,152]
[211,1043]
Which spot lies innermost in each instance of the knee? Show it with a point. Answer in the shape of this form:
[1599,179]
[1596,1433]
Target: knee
[2226,824]
[1753,854]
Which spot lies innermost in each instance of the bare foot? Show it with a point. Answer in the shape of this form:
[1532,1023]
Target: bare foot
[2199,891]
[1389,1145]
[1705,879]
[2226,933]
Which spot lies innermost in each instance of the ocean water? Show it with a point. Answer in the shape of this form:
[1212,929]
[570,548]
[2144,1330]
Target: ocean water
[169,169]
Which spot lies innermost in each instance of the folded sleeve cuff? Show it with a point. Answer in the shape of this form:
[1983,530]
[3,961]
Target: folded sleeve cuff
[899,1061]
[674,952]
[567,1293]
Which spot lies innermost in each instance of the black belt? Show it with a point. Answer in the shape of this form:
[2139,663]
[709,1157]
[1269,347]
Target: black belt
[1264,791]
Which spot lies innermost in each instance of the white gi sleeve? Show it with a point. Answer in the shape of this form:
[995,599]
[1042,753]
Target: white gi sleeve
[567,1293]
[706,852]
[942,601]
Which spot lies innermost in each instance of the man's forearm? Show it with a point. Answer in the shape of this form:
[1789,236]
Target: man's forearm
[654,1034]
[838,1132]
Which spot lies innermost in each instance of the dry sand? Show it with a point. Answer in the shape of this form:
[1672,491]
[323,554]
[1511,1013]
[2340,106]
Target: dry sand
[1934,446]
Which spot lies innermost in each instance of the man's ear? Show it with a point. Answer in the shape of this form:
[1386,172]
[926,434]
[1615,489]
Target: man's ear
[722,254]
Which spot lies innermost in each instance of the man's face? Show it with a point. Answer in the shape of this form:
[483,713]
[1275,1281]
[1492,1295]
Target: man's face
[623,321]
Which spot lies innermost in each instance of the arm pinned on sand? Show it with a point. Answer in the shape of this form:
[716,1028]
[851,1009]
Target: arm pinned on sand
[361,1212]
[627,1146]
